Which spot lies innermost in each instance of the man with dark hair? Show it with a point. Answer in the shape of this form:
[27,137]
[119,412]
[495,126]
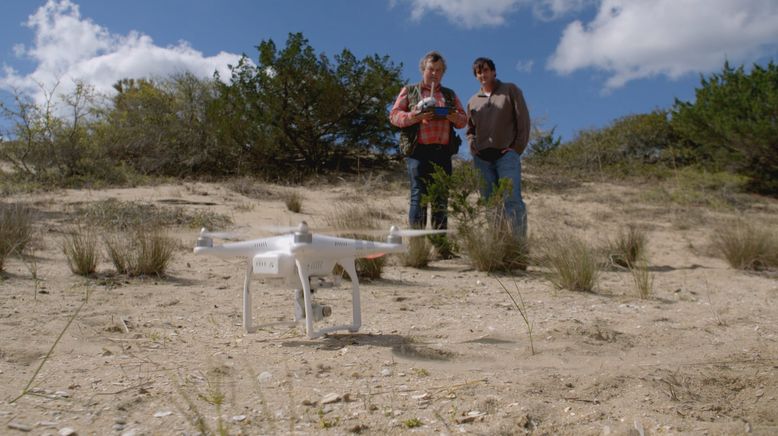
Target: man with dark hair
[427,113]
[498,130]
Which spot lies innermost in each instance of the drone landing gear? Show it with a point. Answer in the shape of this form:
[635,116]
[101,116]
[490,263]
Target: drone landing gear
[348,265]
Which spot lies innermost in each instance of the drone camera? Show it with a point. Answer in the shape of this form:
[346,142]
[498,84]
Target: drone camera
[204,241]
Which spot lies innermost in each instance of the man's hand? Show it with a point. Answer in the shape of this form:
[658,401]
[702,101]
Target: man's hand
[418,117]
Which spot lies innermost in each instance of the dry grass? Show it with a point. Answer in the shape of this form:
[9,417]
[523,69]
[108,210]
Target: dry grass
[418,255]
[521,307]
[142,252]
[494,247]
[629,246]
[115,214]
[572,263]
[293,201]
[15,230]
[81,251]
[643,278]
[350,219]
[747,245]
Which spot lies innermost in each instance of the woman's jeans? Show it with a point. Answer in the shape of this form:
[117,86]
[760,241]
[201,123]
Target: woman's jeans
[506,167]
[421,165]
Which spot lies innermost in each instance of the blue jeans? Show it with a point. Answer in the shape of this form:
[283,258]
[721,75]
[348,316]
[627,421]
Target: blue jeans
[421,165]
[506,167]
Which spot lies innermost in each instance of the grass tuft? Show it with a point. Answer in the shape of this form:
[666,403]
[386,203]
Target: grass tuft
[747,246]
[81,251]
[494,247]
[572,262]
[15,230]
[142,252]
[641,275]
[418,255]
[628,247]
[293,201]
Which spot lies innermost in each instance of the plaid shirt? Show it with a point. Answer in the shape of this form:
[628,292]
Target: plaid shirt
[430,131]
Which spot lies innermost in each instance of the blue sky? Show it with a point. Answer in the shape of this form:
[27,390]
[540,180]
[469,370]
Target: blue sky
[580,63]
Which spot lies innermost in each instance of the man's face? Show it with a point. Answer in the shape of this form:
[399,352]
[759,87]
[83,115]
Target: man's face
[433,72]
[486,76]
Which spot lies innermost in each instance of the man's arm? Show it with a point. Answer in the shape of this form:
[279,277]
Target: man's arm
[521,114]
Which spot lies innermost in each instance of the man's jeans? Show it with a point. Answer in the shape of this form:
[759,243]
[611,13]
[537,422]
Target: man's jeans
[421,166]
[506,167]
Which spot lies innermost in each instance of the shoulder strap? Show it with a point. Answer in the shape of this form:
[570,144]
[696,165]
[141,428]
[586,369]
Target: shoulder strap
[414,94]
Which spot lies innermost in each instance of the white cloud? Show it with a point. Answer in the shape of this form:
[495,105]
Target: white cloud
[525,66]
[68,48]
[634,39]
[479,13]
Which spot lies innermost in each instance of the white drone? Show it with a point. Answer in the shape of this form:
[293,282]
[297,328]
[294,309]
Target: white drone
[304,260]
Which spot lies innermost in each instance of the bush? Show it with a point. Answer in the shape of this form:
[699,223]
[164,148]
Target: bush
[732,124]
[481,230]
[15,230]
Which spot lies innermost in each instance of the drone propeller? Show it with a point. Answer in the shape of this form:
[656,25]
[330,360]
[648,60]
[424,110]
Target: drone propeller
[410,233]
[396,231]
[221,235]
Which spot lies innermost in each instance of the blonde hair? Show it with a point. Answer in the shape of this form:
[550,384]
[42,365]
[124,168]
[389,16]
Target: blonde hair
[433,56]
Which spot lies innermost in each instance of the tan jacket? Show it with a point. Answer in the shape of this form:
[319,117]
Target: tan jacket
[500,120]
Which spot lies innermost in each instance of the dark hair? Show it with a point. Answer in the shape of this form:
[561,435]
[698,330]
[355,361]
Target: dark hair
[480,63]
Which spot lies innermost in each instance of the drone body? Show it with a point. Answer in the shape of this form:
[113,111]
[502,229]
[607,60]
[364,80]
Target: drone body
[300,259]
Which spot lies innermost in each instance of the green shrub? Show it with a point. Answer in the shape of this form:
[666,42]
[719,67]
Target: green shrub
[482,230]
[732,125]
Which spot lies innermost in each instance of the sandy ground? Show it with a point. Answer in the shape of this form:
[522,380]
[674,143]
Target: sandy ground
[441,349]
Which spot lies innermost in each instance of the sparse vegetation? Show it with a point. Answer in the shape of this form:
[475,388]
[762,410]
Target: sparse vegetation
[747,245]
[15,229]
[120,215]
[81,250]
[521,307]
